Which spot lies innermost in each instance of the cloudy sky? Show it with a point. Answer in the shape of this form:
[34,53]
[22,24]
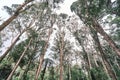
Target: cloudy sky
[65,7]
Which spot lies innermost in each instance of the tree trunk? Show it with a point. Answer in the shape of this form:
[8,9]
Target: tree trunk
[61,55]
[31,57]
[42,56]
[88,63]
[69,71]
[4,24]
[16,65]
[86,58]
[44,70]
[100,30]
[105,62]
[11,46]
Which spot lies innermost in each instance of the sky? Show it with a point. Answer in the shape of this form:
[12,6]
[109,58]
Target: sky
[3,13]
[65,7]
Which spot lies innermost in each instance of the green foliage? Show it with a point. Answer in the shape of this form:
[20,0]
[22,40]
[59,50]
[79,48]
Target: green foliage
[33,34]
[98,74]
[5,69]
[12,9]
[64,16]
[91,8]
[115,8]
[77,73]
[57,1]
[116,35]
[18,50]
[117,71]
[44,5]
[116,20]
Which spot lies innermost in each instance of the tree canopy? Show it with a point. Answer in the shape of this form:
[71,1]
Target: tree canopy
[45,45]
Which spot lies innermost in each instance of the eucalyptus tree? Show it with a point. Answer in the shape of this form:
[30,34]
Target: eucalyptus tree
[90,12]
[61,54]
[48,63]
[85,43]
[62,47]
[83,36]
[17,26]
[105,62]
[41,14]
[11,74]
[11,46]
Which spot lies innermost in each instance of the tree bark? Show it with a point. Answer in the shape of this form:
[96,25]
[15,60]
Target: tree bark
[16,65]
[42,56]
[44,70]
[86,58]
[100,30]
[11,46]
[61,55]
[105,62]
[5,23]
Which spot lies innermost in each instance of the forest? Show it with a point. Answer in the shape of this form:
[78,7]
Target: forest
[37,43]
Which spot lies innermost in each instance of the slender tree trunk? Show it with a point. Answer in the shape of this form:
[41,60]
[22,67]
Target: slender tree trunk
[44,70]
[105,62]
[42,56]
[88,63]
[16,65]
[61,55]
[69,71]
[100,30]
[95,61]
[86,59]
[4,24]
[23,76]
[11,46]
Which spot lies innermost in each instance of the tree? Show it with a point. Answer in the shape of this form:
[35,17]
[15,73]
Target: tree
[89,14]
[9,77]
[42,56]
[11,46]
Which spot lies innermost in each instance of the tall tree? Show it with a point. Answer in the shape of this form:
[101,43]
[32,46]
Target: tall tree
[11,74]
[89,12]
